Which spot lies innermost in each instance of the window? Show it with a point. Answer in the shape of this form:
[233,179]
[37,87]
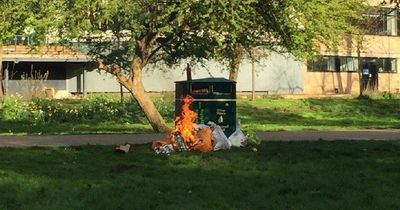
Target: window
[334,63]
[398,22]
[348,64]
[383,21]
[387,65]
[391,23]
[323,64]
[351,64]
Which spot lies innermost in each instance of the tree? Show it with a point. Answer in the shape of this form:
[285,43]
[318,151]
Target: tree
[371,24]
[396,3]
[123,36]
[298,27]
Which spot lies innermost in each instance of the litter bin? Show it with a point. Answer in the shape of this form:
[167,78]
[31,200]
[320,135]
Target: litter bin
[214,100]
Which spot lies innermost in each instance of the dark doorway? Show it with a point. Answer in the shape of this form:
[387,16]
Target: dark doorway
[370,74]
[55,70]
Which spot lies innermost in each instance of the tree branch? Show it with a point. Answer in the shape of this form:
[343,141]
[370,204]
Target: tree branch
[114,70]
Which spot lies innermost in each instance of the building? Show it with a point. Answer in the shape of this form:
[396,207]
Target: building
[42,70]
[69,72]
[378,55]
[61,71]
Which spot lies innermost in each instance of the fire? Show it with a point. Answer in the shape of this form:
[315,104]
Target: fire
[187,135]
[185,123]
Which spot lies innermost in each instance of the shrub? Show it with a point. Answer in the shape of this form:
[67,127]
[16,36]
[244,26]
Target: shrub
[60,110]
[166,107]
[17,109]
[103,107]
[95,108]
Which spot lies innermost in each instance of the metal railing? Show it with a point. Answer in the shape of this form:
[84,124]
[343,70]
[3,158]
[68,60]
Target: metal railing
[81,45]
[49,43]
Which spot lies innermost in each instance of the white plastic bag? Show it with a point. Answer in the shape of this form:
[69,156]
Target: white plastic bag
[198,127]
[237,138]
[220,139]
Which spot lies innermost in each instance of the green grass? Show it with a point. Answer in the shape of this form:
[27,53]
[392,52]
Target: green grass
[267,114]
[319,114]
[294,175]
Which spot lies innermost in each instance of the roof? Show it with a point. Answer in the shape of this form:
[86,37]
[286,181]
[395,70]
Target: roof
[208,80]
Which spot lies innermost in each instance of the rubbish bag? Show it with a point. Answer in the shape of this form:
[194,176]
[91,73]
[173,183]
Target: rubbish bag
[205,140]
[180,142]
[165,149]
[219,137]
[123,148]
[238,138]
[169,140]
[198,127]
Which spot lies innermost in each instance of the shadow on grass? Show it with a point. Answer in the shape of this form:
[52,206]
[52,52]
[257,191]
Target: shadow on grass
[88,127]
[373,108]
[263,114]
[345,113]
[296,175]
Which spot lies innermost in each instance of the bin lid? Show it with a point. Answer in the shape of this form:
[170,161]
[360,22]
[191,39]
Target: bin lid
[208,80]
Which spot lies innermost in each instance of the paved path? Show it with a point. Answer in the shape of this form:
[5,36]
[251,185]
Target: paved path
[330,135]
[74,140]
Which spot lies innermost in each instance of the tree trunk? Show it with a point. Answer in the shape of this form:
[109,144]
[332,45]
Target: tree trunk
[121,93]
[360,80]
[134,84]
[253,78]
[235,62]
[153,115]
[1,78]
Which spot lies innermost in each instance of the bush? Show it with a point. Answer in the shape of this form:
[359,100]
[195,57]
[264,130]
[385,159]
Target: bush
[95,108]
[17,109]
[166,107]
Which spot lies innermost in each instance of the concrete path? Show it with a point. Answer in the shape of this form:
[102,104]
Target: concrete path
[330,135]
[75,140]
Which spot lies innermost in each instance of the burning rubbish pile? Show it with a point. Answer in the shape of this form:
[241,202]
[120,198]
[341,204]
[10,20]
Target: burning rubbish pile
[189,136]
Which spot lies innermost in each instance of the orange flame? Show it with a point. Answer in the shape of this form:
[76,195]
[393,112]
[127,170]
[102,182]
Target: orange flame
[185,123]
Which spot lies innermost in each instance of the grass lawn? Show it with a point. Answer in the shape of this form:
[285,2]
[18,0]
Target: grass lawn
[266,114]
[294,175]
[319,114]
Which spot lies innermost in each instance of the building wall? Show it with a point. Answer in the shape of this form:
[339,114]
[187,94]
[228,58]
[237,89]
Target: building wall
[74,77]
[331,83]
[389,82]
[384,46]
[348,82]
[26,87]
[388,46]
[317,83]
[277,74]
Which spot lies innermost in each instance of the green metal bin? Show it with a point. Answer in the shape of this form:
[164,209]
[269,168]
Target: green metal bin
[214,100]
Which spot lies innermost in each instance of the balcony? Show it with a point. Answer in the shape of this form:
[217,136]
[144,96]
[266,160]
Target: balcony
[22,48]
